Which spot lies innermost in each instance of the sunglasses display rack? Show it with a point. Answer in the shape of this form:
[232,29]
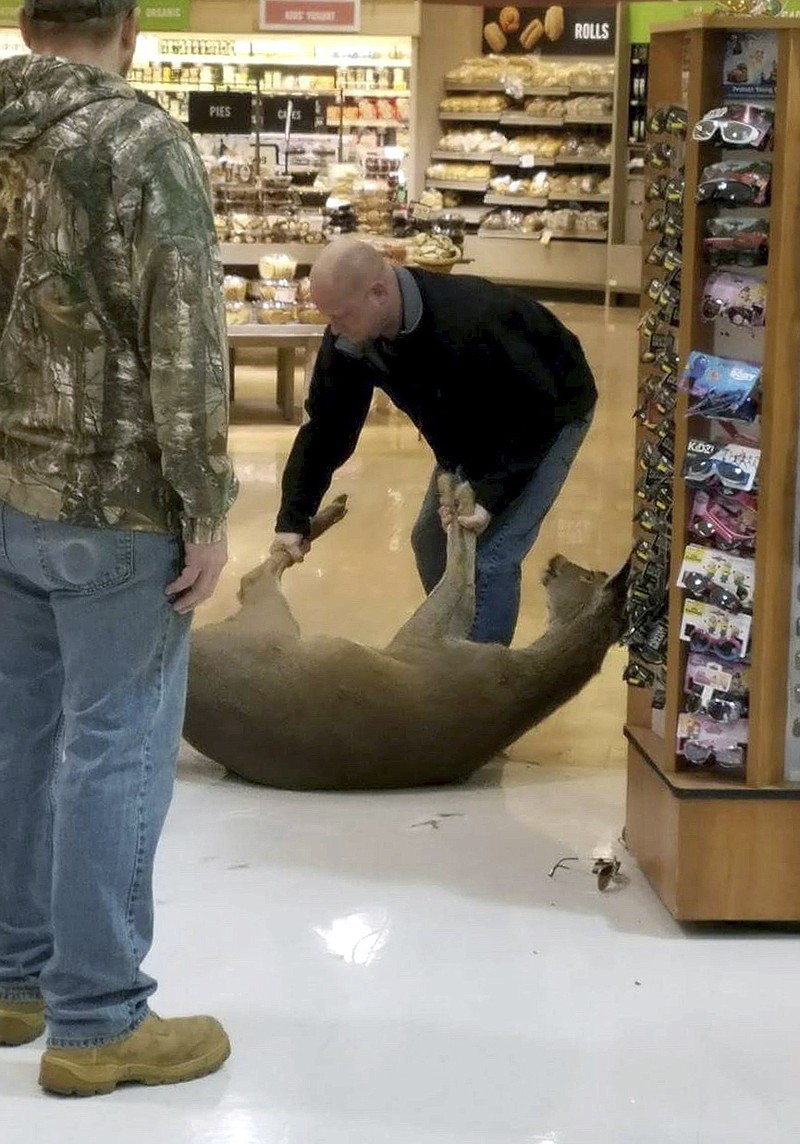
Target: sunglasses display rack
[713,723]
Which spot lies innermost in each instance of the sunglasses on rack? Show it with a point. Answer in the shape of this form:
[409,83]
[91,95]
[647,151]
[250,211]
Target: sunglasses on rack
[702,587]
[659,156]
[658,348]
[656,189]
[650,643]
[701,754]
[697,470]
[668,120]
[719,707]
[726,648]
[652,521]
[740,125]
[748,251]
[637,675]
[736,183]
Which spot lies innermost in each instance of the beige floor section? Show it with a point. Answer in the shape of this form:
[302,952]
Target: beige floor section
[360,580]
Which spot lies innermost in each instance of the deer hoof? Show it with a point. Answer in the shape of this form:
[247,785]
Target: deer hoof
[465,499]
[446,483]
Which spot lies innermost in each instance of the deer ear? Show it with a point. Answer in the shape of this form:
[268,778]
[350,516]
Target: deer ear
[619,579]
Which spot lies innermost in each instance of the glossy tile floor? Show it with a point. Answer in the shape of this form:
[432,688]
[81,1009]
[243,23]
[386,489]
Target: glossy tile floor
[401,968]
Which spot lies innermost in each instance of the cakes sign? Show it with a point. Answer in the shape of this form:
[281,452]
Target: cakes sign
[310,15]
[554,31]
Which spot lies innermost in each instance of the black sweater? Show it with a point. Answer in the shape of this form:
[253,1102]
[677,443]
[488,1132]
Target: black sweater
[488,376]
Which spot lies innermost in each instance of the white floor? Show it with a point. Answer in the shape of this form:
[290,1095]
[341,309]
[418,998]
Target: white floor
[400,968]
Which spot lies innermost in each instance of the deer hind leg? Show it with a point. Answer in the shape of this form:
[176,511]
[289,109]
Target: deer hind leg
[450,608]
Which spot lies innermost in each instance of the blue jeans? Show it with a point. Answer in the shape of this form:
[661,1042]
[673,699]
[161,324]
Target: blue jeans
[93,667]
[506,542]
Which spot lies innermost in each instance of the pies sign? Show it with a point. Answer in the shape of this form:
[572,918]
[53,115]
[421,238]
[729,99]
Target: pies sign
[553,31]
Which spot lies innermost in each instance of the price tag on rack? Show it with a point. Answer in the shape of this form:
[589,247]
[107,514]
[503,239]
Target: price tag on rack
[528,161]
[421,212]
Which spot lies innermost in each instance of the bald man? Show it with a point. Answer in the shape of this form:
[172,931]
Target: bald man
[497,386]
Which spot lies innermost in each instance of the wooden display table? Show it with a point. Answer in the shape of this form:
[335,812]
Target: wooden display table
[287,340]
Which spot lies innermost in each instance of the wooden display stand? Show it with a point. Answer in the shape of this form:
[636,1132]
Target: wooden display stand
[717,849]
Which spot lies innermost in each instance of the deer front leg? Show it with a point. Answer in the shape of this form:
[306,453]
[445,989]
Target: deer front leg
[260,589]
[450,608]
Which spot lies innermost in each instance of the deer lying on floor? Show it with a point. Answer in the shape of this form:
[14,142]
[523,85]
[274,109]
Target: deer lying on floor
[328,714]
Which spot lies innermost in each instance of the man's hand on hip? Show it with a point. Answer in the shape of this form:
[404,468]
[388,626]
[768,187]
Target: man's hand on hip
[293,544]
[203,564]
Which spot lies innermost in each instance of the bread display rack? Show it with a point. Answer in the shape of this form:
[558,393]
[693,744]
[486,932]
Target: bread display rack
[713,722]
[533,137]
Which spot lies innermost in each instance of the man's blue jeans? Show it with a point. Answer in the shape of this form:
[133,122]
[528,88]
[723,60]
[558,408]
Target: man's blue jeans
[93,667]
[506,542]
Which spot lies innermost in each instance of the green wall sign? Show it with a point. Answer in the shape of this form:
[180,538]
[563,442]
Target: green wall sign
[165,15]
[155,15]
[9,14]
[644,15]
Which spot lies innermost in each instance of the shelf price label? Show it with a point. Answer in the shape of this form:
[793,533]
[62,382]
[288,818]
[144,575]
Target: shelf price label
[310,15]
[220,113]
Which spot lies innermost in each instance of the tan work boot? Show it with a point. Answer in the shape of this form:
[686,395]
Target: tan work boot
[20,1021]
[158,1052]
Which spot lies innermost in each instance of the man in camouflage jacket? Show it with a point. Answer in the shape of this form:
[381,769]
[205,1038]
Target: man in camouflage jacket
[114,490]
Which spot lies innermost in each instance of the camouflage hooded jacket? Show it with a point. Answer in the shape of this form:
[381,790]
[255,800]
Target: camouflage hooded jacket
[113,359]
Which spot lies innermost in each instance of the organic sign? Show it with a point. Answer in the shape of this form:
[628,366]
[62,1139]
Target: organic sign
[165,15]
[556,31]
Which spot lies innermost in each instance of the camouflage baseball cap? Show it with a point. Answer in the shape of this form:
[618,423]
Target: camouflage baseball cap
[75,11]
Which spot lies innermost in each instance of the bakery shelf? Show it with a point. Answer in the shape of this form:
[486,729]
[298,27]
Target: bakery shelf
[250,253]
[488,232]
[356,124]
[556,91]
[512,201]
[525,161]
[568,198]
[576,236]
[289,330]
[463,156]
[580,161]
[520,119]
[471,116]
[450,86]
[591,121]
[454,185]
[472,215]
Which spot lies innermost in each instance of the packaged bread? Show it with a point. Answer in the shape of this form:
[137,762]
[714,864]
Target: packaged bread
[237,314]
[277,266]
[234,288]
[309,315]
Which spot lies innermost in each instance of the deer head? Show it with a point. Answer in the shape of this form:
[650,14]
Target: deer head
[572,590]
